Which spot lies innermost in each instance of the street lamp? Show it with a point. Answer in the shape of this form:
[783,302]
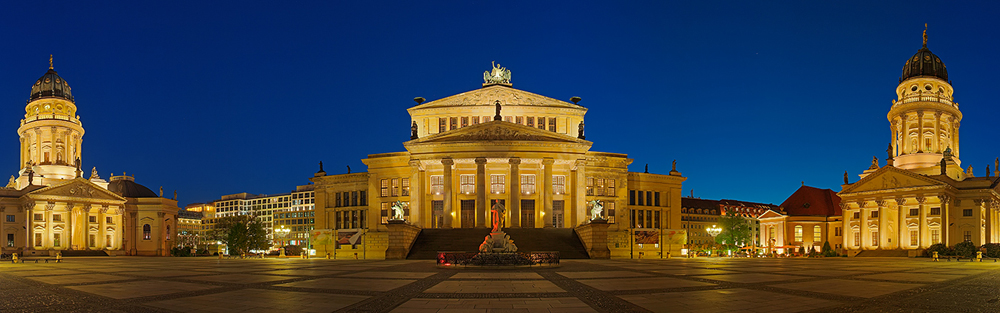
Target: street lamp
[714,231]
[282,231]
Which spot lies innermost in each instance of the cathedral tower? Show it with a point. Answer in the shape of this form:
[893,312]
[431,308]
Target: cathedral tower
[924,119]
[51,133]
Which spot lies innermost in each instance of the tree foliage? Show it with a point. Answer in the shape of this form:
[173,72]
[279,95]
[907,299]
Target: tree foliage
[992,250]
[965,249]
[736,232]
[241,234]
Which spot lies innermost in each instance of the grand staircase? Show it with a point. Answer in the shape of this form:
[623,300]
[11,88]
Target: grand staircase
[564,240]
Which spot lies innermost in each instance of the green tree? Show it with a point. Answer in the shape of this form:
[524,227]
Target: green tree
[241,234]
[736,232]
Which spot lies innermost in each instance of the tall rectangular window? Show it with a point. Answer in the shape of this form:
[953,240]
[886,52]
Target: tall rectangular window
[649,198]
[967,236]
[442,124]
[558,184]
[454,123]
[611,187]
[475,120]
[609,211]
[817,233]
[497,183]
[395,187]
[590,186]
[354,198]
[531,121]
[465,121]
[641,200]
[935,236]
[656,219]
[552,124]
[875,238]
[527,184]
[56,240]
[519,120]
[468,183]
[384,187]
[384,209]
[798,233]
[913,238]
[656,198]
[857,239]
[541,122]
[437,184]
[406,187]
[364,198]
[631,197]
[10,240]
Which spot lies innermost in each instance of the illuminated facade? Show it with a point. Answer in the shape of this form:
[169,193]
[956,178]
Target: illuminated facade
[808,219]
[700,214]
[497,144]
[48,206]
[293,209]
[921,196]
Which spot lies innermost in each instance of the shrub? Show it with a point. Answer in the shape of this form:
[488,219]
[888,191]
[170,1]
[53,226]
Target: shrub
[992,250]
[965,249]
[828,251]
[941,249]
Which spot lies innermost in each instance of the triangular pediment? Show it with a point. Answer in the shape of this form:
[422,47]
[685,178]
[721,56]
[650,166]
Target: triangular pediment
[770,214]
[75,188]
[497,131]
[487,96]
[889,178]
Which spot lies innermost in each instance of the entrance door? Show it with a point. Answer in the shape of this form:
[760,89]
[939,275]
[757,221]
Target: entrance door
[527,213]
[557,214]
[468,213]
[437,212]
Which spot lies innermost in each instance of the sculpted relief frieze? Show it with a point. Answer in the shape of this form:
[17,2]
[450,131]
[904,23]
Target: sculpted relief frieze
[497,133]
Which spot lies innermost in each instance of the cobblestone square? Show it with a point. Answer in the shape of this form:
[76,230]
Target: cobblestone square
[135,284]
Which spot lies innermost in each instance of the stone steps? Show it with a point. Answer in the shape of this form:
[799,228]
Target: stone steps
[564,240]
[883,254]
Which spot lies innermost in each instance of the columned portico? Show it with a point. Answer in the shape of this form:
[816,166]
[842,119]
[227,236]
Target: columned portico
[547,196]
[514,207]
[923,241]
[416,194]
[481,192]
[449,211]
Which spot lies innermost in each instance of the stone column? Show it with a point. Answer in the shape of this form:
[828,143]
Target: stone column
[580,193]
[893,130]
[883,234]
[514,207]
[957,146]
[102,228]
[481,192]
[977,215]
[846,212]
[937,132]
[70,219]
[447,162]
[416,193]
[905,138]
[38,146]
[865,232]
[902,229]
[47,234]
[922,241]
[989,222]
[547,184]
[920,137]
[945,219]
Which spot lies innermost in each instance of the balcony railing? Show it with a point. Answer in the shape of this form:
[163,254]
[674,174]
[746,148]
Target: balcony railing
[62,117]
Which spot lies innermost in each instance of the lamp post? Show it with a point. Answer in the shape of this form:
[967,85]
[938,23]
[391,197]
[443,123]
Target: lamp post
[713,231]
[282,231]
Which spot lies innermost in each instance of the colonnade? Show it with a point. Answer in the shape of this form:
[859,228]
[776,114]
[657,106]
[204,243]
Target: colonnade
[73,226]
[904,143]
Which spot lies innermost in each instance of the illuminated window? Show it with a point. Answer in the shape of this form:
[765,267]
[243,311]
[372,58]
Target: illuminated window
[913,238]
[770,233]
[935,211]
[465,121]
[93,240]
[454,123]
[519,120]
[527,184]
[599,186]
[935,236]
[798,233]
[559,184]
[406,187]
[468,183]
[531,121]
[395,187]
[497,183]
[437,184]
[385,212]
[857,239]
[817,234]
[442,123]
[385,187]
[610,183]
[541,122]
[967,236]
[475,120]
[590,186]
[56,240]
[875,239]
[609,211]
[552,124]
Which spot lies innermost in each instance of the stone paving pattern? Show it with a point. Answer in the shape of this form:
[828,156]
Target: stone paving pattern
[136,284]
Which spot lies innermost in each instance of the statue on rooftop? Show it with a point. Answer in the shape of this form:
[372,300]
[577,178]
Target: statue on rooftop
[497,117]
[580,130]
[413,130]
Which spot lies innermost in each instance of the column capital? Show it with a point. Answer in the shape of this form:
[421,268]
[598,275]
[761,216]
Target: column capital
[50,205]
[515,160]
[900,201]
[416,163]
[448,161]
[548,161]
[480,161]
[920,113]
[937,113]
[944,198]
[921,199]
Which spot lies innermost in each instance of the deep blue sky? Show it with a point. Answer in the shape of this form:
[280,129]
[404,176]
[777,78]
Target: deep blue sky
[213,99]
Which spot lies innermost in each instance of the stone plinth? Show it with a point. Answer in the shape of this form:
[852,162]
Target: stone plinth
[401,238]
[594,236]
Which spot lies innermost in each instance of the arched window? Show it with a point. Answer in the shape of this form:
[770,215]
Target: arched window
[798,233]
[145,232]
[817,234]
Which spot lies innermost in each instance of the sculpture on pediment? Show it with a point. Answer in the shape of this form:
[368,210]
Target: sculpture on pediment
[497,117]
[11,183]
[580,131]
[498,75]
[845,177]
[497,133]
[413,130]
[93,173]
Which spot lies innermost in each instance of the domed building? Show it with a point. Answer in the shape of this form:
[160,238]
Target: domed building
[921,195]
[49,207]
[498,145]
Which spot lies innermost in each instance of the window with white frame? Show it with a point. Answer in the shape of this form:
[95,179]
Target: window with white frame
[497,183]
[437,184]
[468,183]
[527,184]
[559,184]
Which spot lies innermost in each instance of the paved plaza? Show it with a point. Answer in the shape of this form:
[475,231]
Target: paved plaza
[135,284]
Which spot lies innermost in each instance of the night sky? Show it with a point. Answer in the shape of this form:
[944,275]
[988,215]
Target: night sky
[750,99]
